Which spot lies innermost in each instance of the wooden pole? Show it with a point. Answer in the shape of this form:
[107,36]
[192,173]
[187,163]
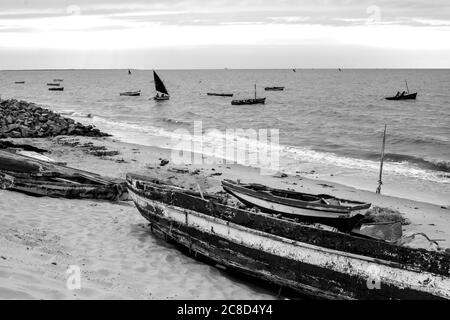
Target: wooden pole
[380,182]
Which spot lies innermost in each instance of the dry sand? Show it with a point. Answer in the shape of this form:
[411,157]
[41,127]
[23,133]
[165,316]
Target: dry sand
[111,243]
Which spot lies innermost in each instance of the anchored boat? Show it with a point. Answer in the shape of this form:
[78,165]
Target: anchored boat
[274,88]
[131,93]
[56,89]
[321,208]
[305,258]
[249,101]
[161,91]
[219,94]
[405,95]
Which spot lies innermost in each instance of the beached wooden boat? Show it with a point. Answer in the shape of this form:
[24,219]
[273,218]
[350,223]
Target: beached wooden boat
[274,88]
[219,94]
[131,93]
[321,208]
[33,176]
[53,84]
[249,101]
[56,89]
[161,91]
[308,259]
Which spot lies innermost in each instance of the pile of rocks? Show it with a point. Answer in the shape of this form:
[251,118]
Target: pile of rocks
[21,119]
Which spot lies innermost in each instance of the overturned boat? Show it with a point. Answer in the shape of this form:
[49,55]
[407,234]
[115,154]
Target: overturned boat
[38,176]
[307,259]
[317,208]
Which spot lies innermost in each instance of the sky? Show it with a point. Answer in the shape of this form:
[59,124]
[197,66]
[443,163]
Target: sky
[190,34]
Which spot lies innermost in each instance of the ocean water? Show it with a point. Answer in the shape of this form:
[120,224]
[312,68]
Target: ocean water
[328,120]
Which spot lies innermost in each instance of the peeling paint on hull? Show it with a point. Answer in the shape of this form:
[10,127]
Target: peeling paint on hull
[306,268]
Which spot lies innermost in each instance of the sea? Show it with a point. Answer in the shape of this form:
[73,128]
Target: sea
[329,123]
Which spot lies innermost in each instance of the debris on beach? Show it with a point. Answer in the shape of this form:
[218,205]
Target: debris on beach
[41,178]
[21,119]
[163,162]
[88,148]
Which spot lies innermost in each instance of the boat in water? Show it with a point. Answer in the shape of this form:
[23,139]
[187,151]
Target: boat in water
[219,94]
[53,84]
[405,95]
[37,175]
[58,80]
[274,88]
[249,101]
[131,93]
[315,208]
[56,89]
[161,91]
[19,82]
[310,260]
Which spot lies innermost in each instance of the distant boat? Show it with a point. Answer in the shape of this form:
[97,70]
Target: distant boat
[249,101]
[220,94]
[56,89]
[340,69]
[129,71]
[58,80]
[161,91]
[274,88]
[405,95]
[131,93]
[19,82]
[294,70]
[53,84]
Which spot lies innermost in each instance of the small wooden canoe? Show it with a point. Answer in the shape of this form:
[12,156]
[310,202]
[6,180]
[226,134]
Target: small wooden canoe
[219,94]
[310,260]
[411,96]
[249,101]
[321,208]
[131,93]
[53,84]
[274,88]
[56,89]
[19,82]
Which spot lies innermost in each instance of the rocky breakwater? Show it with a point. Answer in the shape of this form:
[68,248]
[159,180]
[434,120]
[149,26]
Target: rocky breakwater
[21,119]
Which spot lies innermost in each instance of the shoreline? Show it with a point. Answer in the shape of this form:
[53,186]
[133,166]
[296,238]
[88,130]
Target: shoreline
[110,242]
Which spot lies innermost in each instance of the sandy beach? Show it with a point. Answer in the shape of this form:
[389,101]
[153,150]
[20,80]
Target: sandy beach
[40,238]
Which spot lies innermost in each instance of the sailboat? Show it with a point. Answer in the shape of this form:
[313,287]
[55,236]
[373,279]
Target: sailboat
[161,91]
[249,101]
[405,95]
[129,71]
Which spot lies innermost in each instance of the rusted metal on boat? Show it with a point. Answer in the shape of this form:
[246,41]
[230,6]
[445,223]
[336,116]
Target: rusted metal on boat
[41,178]
[310,260]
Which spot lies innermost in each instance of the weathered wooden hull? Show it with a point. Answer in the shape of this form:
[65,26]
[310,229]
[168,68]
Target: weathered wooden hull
[341,217]
[245,241]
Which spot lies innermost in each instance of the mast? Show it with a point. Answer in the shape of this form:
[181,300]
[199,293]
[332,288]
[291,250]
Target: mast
[407,89]
[381,162]
[255,90]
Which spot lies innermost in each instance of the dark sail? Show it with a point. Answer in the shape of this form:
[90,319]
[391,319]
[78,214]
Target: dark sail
[159,85]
